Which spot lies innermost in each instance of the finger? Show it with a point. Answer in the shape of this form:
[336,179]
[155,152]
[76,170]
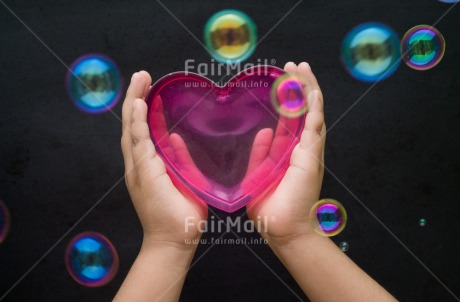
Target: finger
[321,168]
[158,123]
[126,133]
[146,163]
[314,120]
[185,161]
[315,117]
[286,126]
[278,146]
[182,155]
[290,67]
[311,143]
[311,87]
[306,166]
[305,69]
[140,87]
[260,148]
[137,88]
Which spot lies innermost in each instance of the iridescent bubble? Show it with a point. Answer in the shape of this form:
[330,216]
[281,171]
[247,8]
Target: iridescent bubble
[370,52]
[230,36]
[328,217]
[4,221]
[422,222]
[343,246]
[449,1]
[422,47]
[287,95]
[91,259]
[94,83]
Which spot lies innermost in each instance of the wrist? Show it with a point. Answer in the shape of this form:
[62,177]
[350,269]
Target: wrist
[282,237]
[178,255]
[305,245]
[184,245]
[278,244]
[180,236]
[158,272]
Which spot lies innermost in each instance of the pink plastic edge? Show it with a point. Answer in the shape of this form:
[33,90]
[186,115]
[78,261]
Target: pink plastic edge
[182,184]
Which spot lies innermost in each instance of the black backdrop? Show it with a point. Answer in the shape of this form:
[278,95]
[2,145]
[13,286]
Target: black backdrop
[397,150]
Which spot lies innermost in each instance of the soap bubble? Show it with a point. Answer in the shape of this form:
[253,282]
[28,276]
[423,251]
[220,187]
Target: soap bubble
[370,52]
[422,222]
[230,36]
[4,221]
[449,1]
[287,96]
[94,83]
[328,217]
[343,246]
[91,259]
[422,47]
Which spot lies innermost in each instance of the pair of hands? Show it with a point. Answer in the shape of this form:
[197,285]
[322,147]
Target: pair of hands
[164,259]
[163,210]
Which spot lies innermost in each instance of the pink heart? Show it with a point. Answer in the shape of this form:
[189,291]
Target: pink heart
[225,145]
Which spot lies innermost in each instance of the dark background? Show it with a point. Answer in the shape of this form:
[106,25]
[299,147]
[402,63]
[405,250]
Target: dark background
[397,150]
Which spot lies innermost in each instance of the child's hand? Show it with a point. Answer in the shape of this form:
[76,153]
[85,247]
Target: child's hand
[287,208]
[160,268]
[266,152]
[162,209]
[174,147]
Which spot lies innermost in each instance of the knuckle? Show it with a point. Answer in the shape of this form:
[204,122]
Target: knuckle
[136,141]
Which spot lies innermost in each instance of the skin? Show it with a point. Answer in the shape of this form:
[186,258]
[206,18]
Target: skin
[320,268]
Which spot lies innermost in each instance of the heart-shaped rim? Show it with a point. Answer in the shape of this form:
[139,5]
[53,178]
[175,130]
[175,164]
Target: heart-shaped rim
[183,183]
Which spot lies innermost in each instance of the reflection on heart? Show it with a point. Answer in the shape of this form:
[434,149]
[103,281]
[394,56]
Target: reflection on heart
[224,145]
